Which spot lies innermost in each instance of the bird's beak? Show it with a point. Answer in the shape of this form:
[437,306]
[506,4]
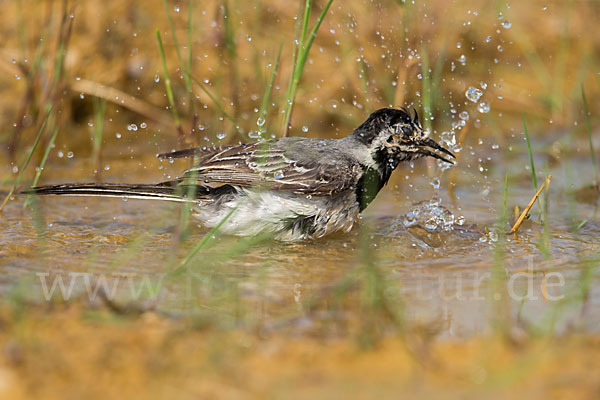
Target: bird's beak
[427,144]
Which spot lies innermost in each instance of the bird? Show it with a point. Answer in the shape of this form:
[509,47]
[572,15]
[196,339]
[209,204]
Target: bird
[293,188]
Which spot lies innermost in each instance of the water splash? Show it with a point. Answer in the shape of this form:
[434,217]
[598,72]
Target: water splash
[431,216]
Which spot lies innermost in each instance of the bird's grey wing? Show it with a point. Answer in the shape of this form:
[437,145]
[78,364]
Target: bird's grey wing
[292,165]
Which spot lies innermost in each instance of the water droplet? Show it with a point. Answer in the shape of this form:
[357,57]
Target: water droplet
[70,154]
[260,121]
[448,138]
[132,127]
[464,115]
[118,135]
[473,94]
[254,135]
[221,135]
[156,78]
[278,175]
[506,24]
[107,167]
[176,8]
[305,129]
[483,107]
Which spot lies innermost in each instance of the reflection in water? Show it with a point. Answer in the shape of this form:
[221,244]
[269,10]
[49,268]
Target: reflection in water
[442,267]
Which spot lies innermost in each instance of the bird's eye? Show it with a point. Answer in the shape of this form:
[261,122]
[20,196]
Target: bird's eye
[407,131]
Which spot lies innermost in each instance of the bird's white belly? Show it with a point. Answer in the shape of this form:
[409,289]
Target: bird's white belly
[287,216]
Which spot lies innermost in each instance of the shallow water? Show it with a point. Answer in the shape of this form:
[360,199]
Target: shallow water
[454,276]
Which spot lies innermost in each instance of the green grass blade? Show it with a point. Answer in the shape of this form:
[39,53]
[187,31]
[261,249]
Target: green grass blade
[190,64]
[311,38]
[425,76]
[262,113]
[190,42]
[505,203]
[24,167]
[213,99]
[38,173]
[188,84]
[589,133]
[100,112]
[307,7]
[297,44]
[186,209]
[205,240]
[436,77]
[167,79]
[365,83]
[300,63]
[533,176]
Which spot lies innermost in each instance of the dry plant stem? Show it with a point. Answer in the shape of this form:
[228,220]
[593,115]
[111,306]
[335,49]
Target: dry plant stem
[124,100]
[523,215]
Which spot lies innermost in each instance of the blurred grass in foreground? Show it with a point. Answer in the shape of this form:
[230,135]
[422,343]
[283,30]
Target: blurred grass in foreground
[243,73]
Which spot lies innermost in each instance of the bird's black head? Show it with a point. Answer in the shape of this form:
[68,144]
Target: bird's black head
[396,136]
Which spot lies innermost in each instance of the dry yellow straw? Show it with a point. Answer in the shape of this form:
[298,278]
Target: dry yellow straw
[523,215]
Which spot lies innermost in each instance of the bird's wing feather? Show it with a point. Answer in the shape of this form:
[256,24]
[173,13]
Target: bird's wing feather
[292,165]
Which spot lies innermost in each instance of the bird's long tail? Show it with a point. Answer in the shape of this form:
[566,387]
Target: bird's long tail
[169,191]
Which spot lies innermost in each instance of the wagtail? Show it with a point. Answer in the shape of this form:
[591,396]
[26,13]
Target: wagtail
[293,188]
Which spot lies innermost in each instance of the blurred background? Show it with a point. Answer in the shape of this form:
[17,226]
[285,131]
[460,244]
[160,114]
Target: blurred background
[92,91]
[479,64]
